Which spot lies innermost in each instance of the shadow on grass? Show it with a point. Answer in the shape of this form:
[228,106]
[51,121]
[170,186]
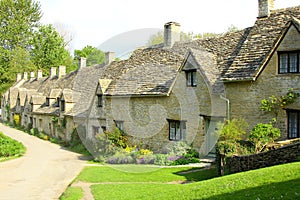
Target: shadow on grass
[281,190]
[198,174]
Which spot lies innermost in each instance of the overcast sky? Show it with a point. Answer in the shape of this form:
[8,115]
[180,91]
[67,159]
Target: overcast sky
[92,22]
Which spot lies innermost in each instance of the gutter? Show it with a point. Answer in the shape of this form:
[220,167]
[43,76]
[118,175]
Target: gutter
[228,106]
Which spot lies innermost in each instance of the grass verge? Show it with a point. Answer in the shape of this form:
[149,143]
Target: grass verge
[277,182]
[72,193]
[10,148]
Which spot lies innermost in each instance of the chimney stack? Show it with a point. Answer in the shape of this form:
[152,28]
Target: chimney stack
[19,77]
[31,75]
[81,62]
[25,75]
[61,71]
[265,7]
[171,33]
[109,57]
[52,72]
[39,74]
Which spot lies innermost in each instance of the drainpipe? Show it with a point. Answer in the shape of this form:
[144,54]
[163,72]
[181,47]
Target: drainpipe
[228,106]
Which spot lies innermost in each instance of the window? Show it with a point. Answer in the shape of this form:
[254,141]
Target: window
[120,125]
[177,130]
[293,124]
[47,101]
[96,130]
[289,62]
[63,105]
[191,78]
[57,102]
[99,100]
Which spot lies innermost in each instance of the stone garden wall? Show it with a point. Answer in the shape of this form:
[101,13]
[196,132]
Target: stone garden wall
[285,154]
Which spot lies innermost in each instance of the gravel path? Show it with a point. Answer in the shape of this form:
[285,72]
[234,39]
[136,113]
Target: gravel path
[44,172]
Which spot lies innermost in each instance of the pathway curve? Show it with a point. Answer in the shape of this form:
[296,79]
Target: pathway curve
[44,172]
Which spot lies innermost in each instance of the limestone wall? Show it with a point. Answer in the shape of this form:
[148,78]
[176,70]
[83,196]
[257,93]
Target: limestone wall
[285,154]
[245,97]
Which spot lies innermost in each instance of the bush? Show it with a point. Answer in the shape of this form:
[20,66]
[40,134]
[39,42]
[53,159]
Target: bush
[262,134]
[232,129]
[34,131]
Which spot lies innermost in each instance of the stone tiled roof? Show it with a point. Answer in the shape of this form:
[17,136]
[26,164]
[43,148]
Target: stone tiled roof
[147,71]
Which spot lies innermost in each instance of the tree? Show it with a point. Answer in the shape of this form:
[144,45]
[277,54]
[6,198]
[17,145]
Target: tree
[92,54]
[18,20]
[48,49]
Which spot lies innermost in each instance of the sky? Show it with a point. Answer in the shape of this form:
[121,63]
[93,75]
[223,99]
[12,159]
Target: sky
[94,22]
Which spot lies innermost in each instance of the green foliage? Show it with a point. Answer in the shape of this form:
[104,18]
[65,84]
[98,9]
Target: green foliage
[117,137]
[232,130]
[10,147]
[34,131]
[263,134]
[92,54]
[275,104]
[49,49]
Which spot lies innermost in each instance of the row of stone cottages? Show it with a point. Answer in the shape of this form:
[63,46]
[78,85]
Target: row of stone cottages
[173,91]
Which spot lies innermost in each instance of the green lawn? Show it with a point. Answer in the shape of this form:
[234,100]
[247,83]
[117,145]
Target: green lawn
[10,148]
[72,193]
[278,182]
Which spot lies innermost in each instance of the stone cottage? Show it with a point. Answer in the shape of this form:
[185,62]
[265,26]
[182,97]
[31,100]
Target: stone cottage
[173,91]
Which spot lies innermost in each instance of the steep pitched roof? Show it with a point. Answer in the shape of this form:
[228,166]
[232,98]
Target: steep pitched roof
[147,72]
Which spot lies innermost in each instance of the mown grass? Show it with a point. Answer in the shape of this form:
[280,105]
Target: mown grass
[160,175]
[277,182]
[72,193]
[10,148]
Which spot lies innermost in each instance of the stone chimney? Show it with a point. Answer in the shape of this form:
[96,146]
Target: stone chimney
[61,71]
[19,77]
[265,7]
[171,33]
[81,62]
[52,72]
[25,75]
[39,74]
[109,57]
[31,75]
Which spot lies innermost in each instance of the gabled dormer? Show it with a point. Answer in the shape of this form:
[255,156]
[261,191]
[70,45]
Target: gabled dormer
[190,69]
[99,96]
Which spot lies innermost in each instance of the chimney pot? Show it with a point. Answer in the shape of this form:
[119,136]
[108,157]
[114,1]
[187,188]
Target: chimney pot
[171,33]
[81,62]
[61,71]
[19,77]
[31,75]
[109,57]
[25,75]
[39,74]
[265,7]
[52,72]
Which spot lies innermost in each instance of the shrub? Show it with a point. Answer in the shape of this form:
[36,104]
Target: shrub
[232,129]
[262,134]
[17,120]
[117,137]
[34,131]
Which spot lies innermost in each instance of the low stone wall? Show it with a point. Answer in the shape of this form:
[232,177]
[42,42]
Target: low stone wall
[285,154]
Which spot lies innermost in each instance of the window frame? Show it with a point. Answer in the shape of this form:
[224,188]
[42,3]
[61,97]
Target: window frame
[62,105]
[289,134]
[99,100]
[191,78]
[182,130]
[119,124]
[289,69]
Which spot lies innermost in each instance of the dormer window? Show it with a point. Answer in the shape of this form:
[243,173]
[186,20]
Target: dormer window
[57,102]
[99,100]
[289,62]
[62,105]
[47,101]
[191,78]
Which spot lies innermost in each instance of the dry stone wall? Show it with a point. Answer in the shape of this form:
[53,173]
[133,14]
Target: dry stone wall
[285,154]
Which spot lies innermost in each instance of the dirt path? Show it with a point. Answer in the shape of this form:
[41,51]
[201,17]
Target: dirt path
[44,172]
